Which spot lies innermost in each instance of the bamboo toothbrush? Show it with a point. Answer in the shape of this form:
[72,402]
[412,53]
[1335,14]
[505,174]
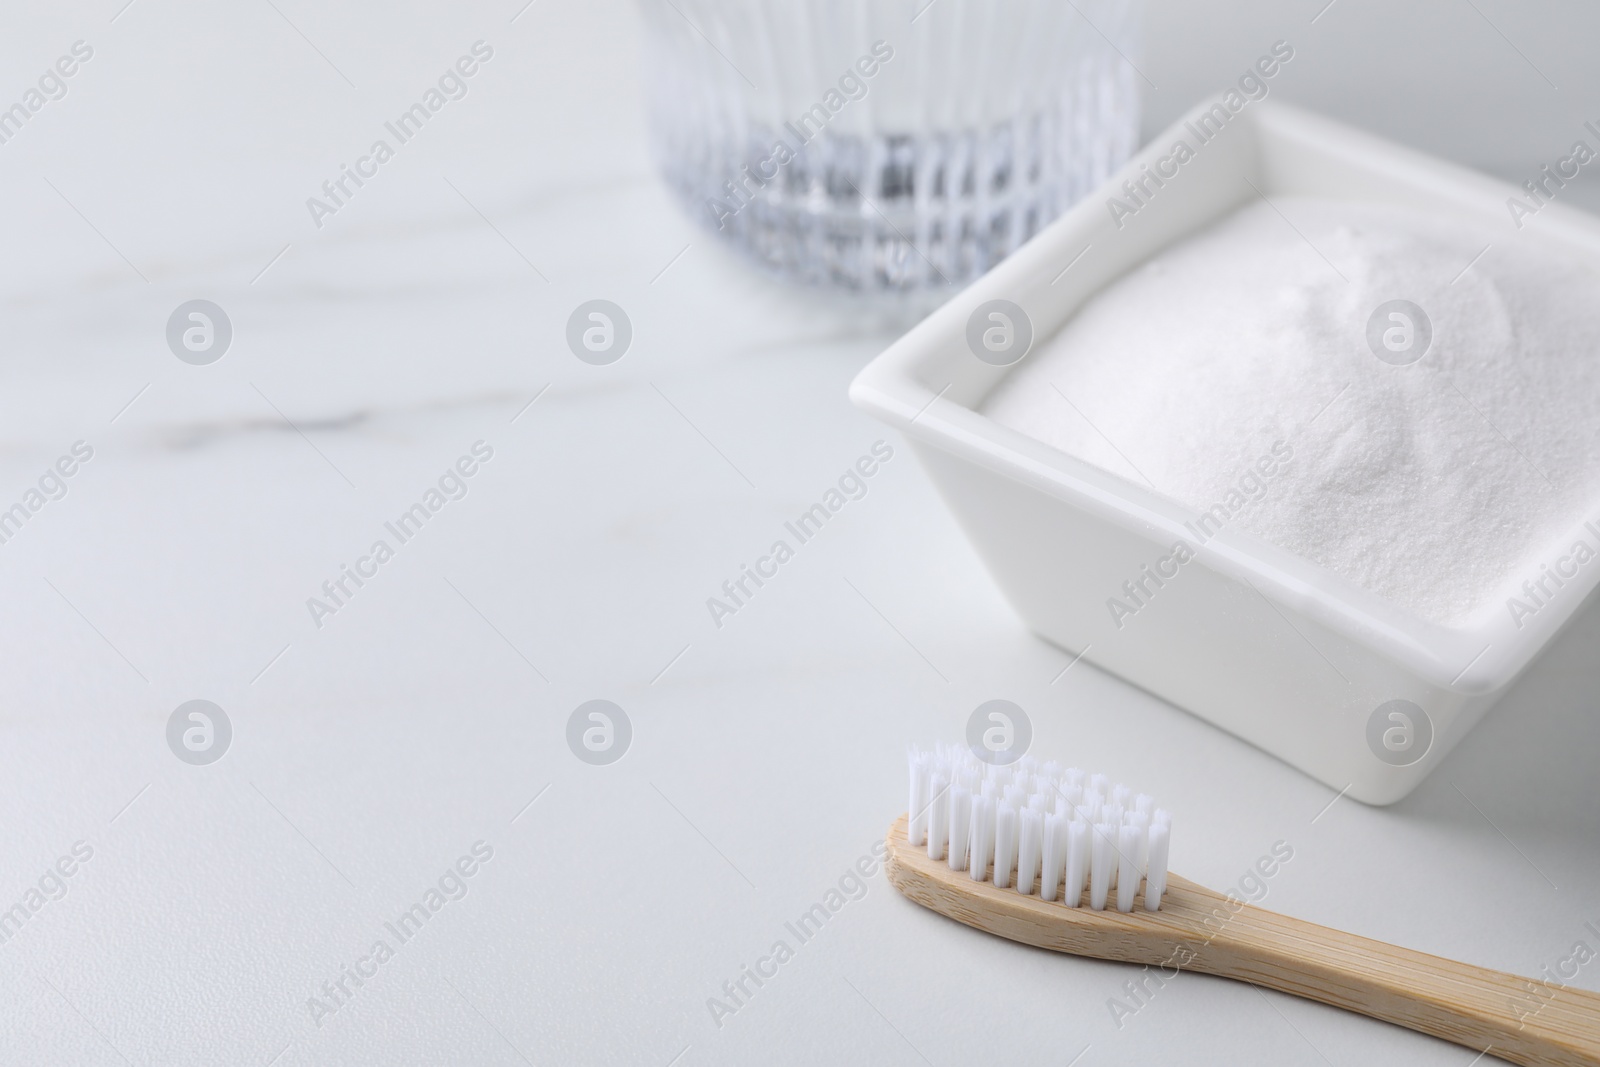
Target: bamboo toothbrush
[1055,858]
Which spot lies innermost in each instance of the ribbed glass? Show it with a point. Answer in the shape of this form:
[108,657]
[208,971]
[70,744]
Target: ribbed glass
[888,145]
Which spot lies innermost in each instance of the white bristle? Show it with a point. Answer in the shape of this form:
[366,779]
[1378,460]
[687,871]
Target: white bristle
[1005,842]
[1100,865]
[917,824]
[1035,827]
[1141,823]
[1053,856]
[1155,880]
[960,825]
[938,815]
[1028,844]
[1127,867]
[1077,862]
[982,848]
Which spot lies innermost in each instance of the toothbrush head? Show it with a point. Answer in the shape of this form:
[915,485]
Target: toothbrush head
[1038,829]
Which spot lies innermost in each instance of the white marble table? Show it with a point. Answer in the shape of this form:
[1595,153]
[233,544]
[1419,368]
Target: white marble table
[426,716]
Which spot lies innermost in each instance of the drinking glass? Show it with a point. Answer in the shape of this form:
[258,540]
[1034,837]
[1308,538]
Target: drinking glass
[887,145]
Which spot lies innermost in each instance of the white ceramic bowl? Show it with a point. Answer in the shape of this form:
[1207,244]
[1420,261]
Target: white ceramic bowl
[1277,650]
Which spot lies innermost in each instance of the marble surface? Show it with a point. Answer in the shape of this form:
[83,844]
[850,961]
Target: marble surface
[427,716]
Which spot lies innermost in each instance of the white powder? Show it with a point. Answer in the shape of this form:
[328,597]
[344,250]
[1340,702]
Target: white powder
[1430,484]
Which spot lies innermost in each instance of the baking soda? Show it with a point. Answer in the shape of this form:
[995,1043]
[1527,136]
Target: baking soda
[1440,483]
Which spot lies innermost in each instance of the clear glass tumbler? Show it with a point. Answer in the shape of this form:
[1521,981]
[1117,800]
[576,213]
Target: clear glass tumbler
[888,145]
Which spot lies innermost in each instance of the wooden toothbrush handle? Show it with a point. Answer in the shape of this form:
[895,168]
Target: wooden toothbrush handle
[1198,929]
[1517,1019]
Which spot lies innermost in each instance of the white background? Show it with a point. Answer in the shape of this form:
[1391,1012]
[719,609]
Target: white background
[767,755]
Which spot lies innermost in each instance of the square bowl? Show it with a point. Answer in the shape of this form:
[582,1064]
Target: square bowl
[1351,688]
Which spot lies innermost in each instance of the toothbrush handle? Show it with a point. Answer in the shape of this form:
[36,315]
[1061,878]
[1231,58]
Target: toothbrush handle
[1198,929]
[1514,1018]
